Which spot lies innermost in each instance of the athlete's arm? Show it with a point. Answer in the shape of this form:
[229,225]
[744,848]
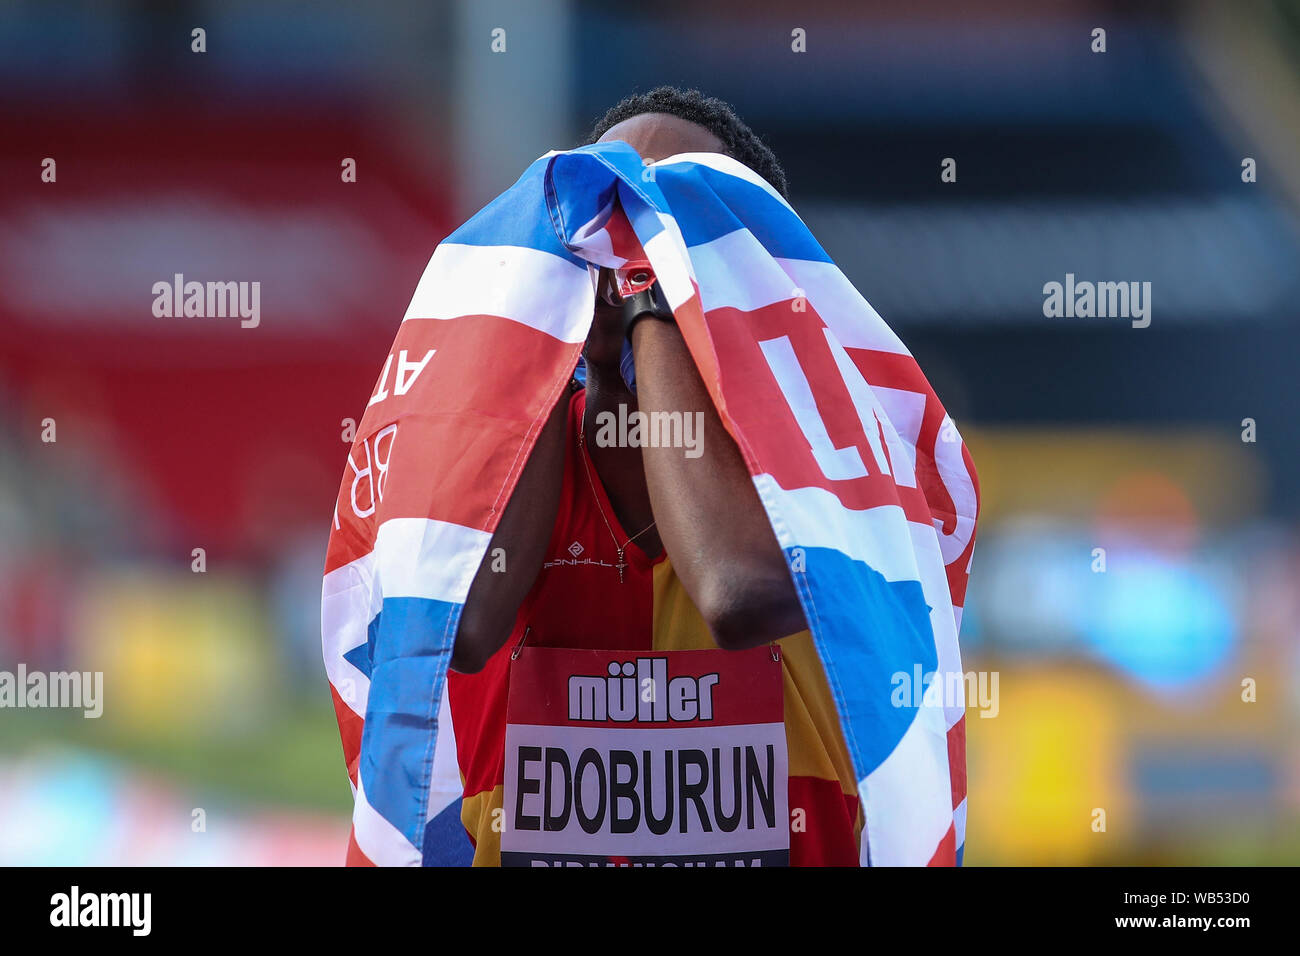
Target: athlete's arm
[709,517]
[523,533]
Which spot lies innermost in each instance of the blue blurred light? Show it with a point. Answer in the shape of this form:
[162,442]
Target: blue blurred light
[1165,624]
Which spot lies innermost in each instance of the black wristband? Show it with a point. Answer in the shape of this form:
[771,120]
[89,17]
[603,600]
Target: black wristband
[650,303]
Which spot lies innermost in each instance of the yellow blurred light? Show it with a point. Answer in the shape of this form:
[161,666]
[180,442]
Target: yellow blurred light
[180,652]
[1043,766]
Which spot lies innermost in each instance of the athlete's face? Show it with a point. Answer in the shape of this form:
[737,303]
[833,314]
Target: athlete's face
[655,136]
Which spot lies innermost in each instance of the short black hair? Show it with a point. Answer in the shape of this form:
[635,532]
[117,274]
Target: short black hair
[738,140]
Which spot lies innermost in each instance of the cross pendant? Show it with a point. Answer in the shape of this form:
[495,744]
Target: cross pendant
[621,565]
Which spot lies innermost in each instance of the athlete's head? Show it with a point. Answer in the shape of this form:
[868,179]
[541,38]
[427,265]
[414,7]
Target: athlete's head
[667,121]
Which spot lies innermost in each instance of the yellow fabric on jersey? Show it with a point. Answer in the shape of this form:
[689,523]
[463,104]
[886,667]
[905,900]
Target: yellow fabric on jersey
[812,726]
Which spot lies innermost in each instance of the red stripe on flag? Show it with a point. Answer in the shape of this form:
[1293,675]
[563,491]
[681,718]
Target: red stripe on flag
[443,439]
[946,853]
[622,240]
[350,727]
[957,760]
[355,856]
[769,434]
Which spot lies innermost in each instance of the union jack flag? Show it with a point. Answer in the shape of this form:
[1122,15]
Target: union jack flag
[869,488]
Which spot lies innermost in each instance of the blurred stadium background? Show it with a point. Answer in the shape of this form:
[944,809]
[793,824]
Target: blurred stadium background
[1118,690]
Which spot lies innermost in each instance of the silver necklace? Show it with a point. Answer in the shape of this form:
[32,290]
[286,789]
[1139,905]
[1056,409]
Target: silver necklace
[620,549]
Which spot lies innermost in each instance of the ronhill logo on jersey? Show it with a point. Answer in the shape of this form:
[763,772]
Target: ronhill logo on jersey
[675,758]
[641,691]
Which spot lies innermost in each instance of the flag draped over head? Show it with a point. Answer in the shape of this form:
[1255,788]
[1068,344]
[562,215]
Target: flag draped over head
[867,484]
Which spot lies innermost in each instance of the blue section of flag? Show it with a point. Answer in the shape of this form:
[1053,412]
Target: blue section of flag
[868,631]
[580,187]
[709,204]
[583,184]
[512,219]
[445,841]
[361,655]
[412,645]
[706,204]
[642,204]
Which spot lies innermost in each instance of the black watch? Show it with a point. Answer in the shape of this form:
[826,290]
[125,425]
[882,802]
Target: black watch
[649,303]
[637,291]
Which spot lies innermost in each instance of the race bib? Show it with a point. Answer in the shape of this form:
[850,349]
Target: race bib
[645,758]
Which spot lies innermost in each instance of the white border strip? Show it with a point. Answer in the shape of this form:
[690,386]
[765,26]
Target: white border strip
[524,285]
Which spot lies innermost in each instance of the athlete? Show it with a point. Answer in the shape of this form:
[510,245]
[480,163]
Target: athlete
[647,549]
